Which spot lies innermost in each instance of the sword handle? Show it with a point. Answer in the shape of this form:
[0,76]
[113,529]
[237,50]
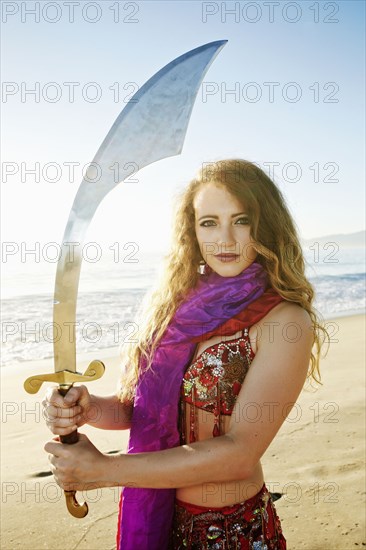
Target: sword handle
[77,510]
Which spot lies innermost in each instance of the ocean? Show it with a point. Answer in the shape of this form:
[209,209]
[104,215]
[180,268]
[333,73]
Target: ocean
[111,291]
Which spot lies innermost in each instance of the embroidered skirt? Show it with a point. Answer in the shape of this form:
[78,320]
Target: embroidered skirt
[249,525]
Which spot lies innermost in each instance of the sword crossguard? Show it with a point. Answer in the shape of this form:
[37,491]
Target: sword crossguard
[65,378]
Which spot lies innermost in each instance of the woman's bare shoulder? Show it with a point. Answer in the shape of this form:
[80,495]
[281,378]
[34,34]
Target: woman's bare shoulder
[287,318]
[287,311]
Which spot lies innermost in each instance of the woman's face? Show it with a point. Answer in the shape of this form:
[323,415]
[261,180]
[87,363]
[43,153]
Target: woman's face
[222,231]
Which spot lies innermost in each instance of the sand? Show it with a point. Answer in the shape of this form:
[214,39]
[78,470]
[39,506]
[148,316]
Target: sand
[316,460]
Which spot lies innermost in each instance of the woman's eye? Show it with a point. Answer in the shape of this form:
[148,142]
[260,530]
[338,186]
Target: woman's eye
[242,221]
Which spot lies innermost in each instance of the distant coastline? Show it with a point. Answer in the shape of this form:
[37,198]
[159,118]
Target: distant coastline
[344,240]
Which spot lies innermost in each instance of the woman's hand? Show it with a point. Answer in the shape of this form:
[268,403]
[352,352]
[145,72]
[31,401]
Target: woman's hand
[77,467]
[65,414]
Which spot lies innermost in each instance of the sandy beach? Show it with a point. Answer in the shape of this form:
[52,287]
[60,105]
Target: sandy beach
[316,460]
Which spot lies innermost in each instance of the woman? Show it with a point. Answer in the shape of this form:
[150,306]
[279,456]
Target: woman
[222,356]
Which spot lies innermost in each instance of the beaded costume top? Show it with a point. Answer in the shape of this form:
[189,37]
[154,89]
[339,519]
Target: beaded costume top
[213,381]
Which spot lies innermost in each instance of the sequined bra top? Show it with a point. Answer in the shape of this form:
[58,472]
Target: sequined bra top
[213,381]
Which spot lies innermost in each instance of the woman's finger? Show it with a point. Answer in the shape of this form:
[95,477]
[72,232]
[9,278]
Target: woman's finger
[53,396]
[54,447]
[73,395]
[52,412]
[62,422]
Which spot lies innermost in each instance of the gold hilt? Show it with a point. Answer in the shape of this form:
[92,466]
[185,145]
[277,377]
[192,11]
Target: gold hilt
[65,379]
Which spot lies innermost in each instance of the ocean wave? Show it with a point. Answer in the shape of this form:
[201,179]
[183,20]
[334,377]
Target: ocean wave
[107,319]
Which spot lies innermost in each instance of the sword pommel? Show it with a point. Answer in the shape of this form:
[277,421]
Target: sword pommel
[65,378]
[77,510]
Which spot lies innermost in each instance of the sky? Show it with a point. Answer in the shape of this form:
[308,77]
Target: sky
[297,69]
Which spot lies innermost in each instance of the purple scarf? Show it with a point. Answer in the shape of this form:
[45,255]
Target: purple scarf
[146,514]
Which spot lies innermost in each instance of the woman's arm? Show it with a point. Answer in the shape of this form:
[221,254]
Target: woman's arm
[272,385]
[109,413]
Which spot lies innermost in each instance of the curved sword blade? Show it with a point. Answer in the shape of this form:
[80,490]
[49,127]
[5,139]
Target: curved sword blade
[151,127]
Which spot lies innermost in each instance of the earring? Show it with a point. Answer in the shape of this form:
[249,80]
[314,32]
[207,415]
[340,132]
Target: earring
[202,267]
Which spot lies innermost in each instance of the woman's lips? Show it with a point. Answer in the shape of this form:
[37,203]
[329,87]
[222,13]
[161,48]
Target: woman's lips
[227,257]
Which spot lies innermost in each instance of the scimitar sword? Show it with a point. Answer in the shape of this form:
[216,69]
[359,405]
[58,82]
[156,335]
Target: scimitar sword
[151,127]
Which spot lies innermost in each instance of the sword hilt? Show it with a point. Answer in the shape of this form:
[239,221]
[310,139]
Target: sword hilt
[66,379]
